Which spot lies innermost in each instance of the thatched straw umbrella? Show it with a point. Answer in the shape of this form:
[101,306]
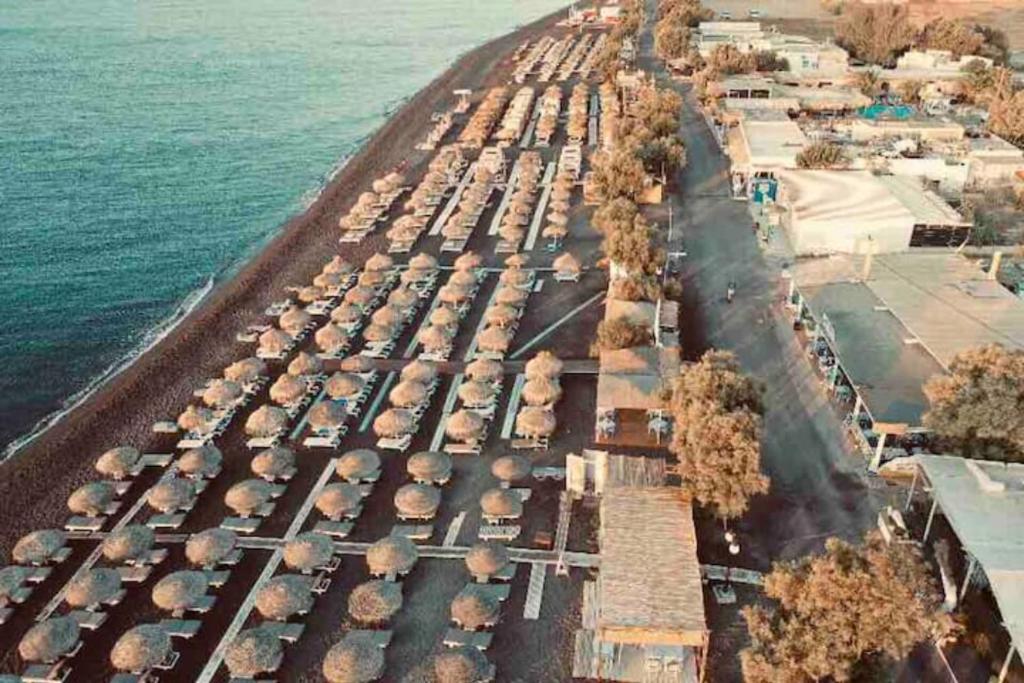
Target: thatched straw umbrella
[519,205]
[311,293]
[49,640]
[196,420]
[171,495]
[118,463]
[39,546]
[462,278]
[372,279]
[486,558]
[509,468]
[344,385]
[418,501]
[378,333]
[453,294]
[346,313]
[501,503]
[327,415]
[535,422]
[563,182]
[294,320]
[180,590]
[567,263]
[475,393]
[465,425]
[419,371]
[512,233]
[338,499]
[375,602]
[511,296]
[275,341]
[285,596]
[468,261]
[202,462]
[338,266]
[394,423]
[413,275]
[408,394]
[435,337]
[494,339]
[473,608]
[561,194]
[358,464]
[403,297]
[222,393]
[305,364]
[128,544]
[360,296]
[461,665]
[485,370]
[553,231]
[559,205]
[432,467]
[328,280]
[11,579]
[273,463]
[515,277]
[141,649]
[253,652]
[209,547]
[391,555]
[308,551]
[379,262]
[443,316]
[89,589]
[266,421]
[517,261]
[544,364]
[246,497]
[423,261]
[288,389]
[501,315]
[356,364]
[541,391]
[354,660]
[245,371]
[387,316]
[331,337]
[91,499]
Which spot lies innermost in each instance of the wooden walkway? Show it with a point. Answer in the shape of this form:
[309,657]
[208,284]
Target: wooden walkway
[453,201]
[513,407]
[542,206]
[562,531]
[506,198]
[535,591]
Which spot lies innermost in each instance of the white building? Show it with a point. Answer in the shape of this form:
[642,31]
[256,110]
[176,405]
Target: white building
[762,143]
[993,161]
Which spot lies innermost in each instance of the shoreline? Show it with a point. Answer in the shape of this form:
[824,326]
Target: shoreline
[158,383]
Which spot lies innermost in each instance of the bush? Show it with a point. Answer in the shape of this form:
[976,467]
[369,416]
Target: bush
[671,39]
[877,34]
[726,60]
[619,333]
[618,173]
[635,288]
[634,249]
[617,214]
[766,60]
[822,155]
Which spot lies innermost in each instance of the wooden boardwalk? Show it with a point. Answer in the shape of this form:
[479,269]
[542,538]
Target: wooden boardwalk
[535,591]
[453,201]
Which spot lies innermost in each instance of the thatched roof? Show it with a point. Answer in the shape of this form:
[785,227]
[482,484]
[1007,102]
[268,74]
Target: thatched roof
[253,652]
[360,295]
[222,393]
[501,503]
[346,313]
[473,608]
[407,394]
[294,320]
[128,543]
[417,500]
[266,421]
[511,296]
[354,660]
[423,261]
[247,496]
[245,370]
[643,601]
[273,462]
[485,370]
[305,364]
[379,262]
[141,648]
[356,364]
[11,579]
[486,558]
[171,495]
[444,316]
[91,499]
[403,297]
[371,279]
[429,466]
[308,551]
[287,389]
[453,294]
[358,463]
[326,414]
[514,276]
[275,340]
[494,339]
[204,461]
[394,422]
[419,371]
[375,601]
[209,547]
[391,554]
[338,498]
[38,546]
[511,468]
[118,462]
[285,596]
[90,588]
[194,419]
[541,391]
[412,275]
[328,280]
[468,260]
[387,316]
[462,278]
[511,232]
[180,590]
[500,314]
[344,385]
[535,421]
[338,265]
[311,293]
[331,337]
[474,392]
[48,640]
[464,425]
[567,263]
[461,665]
[554,231]
[517,260]
[378,333]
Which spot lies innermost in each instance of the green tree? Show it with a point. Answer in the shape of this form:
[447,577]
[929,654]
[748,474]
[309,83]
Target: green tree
[821,155]
[618,214]
[662,155]
[910,91]
[869,83]
[619,333]
[671,39]
[726,60]
[717,379]
[618,173]
[836,610]
[877,34]
[634,249]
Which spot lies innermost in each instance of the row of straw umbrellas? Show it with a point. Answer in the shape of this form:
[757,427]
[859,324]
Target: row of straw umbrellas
[460,223]
[578,102]
[521,204]
[550,107]
[384,190]
[484,119]
[460,288]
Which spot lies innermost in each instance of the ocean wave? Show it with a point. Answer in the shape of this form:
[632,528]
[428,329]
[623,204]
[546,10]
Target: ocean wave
[151,338]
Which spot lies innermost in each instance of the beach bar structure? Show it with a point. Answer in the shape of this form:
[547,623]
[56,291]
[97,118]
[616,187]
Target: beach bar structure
[982,503]
[643,619]
[880,326]
[632,395]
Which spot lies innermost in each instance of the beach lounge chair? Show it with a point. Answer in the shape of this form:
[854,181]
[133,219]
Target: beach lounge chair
[400,444]
[289,633]
[89,621]
[192,441]
[81,523]
[261,443]
[241,525]
[556,473]
[169,662]
[38,574]
[134,574]
[5,614]
[181,628]
[463,448]
[321,583]
[414,532]
[166,521]
[456,637]
[47,673]
[216,579]
[540,444]
[333,529]
[497,532]
[20,594]
[379,638]
[498,591]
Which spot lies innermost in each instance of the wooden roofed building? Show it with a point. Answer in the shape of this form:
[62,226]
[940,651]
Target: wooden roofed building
[633,391]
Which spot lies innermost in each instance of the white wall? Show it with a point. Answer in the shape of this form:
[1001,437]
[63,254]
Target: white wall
[811,237]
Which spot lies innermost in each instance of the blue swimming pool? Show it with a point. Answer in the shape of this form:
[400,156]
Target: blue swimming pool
[887,111]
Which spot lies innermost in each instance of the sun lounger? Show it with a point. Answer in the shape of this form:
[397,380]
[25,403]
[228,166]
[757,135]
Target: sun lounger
[507,573]
[89,621]
[20,594]
[241,525]
[379,638]
[38,574]
[414,532]
[530,444]
[134,574]
[463,448]
[486,412]
[556,473]
[332,441]
[456,637]
[83,523]
[333,529]
[169,661]
[166,521]
[321,584]
[289,633]
[46,673]
[497,532]
[261,443]
[153,557]
[190,442]
[216,579]
[181,628]
[498,591]
[400,444]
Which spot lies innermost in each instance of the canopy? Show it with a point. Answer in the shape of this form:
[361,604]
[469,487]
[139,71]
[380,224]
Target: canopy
[266,421]
[338,499]
[222,393]
[511,468]
[487,558]
[207,548]
[535,422]
[468,261]
[375,601]
[273,463]
[92,587]
[305,364]
[287,390]
[128,543]
[180,590]
[294,320]
[253,652]
[194,419]
[417,500]
[247,496]
[118,462]
[461,664]
[501,503]
[356,659]
[494,339]
[419,371]
[485,370]
[473,609]
[331,337]
[285,596]
[394,422]
[465,425]
[171,495]
[344,385]
[308,551]
[429,466]
[91,499]
[443,316]
[544,364]
[245,371]
[391,555]
[541,391]
[49,640]
[141,649]
[407,394]
[476,393]
[204,461]
[358,464]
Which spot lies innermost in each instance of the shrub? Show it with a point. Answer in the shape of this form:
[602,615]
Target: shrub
[619,333]
[822,155]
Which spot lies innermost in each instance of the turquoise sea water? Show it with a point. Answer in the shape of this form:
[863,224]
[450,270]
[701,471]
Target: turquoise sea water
[147,148]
